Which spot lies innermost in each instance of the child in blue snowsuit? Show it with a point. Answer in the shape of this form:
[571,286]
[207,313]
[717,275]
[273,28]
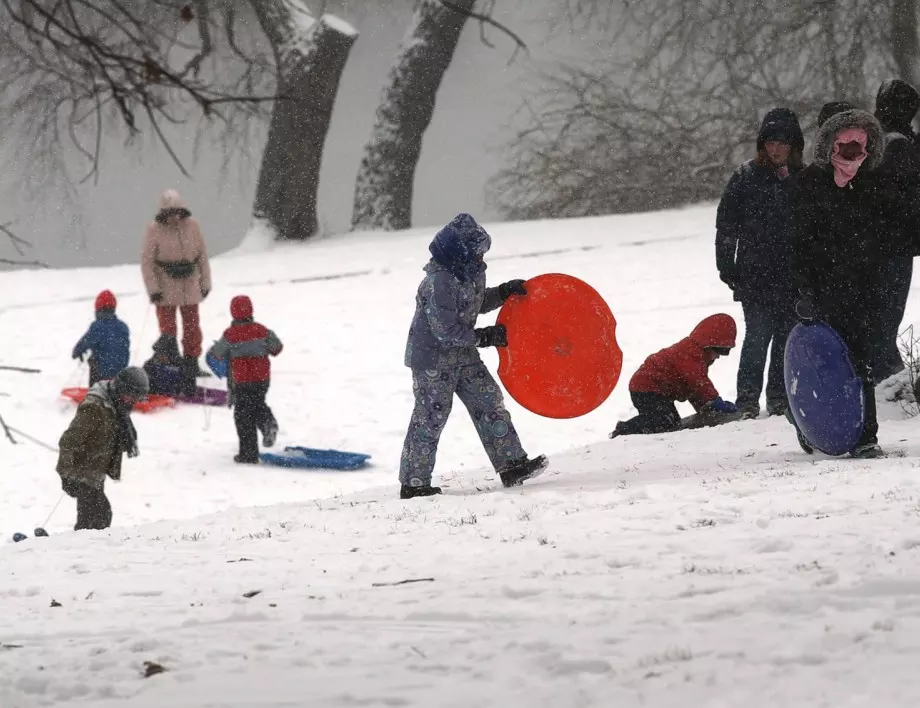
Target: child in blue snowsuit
[109,340]
[442,353]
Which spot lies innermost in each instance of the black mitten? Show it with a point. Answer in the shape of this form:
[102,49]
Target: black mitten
[495,336]
[512,287]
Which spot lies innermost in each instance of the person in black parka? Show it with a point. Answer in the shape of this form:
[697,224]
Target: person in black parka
[842,223]
[753,251]
[896,105]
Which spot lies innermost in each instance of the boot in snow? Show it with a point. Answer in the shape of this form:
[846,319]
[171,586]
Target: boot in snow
[270,434]
[748,411]
[520,471]
[777,408]
[188,386]
[407,491]
[240,460]
[803,443]
[869,451]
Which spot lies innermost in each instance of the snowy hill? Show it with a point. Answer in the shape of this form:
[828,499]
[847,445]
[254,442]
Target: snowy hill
[708,568]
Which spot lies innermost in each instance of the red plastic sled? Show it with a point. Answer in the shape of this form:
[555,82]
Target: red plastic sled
[562,358]
[153,402]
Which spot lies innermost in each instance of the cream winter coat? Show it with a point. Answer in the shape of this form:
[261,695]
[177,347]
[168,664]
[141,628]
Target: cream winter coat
[174,261]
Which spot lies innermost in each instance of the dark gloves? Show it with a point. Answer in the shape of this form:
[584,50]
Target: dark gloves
[204,293]
[805,308]
[495,336]
[156,297]
[720,406]
[512,287]
[81,357]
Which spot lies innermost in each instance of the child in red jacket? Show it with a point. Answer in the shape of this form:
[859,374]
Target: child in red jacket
[247,345]
[679,373]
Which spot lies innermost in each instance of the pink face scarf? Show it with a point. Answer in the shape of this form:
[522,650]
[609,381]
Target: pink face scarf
[845,170]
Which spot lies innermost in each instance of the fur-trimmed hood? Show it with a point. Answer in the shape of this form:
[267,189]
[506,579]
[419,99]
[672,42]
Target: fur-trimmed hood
[875,146]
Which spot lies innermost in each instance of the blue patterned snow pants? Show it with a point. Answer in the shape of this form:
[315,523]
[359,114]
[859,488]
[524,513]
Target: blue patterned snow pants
[434,394]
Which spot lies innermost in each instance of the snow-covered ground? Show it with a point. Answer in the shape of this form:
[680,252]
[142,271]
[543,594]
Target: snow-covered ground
[708,568]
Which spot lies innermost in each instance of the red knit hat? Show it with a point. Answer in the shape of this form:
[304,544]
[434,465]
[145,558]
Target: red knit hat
[106,301]
[241,308]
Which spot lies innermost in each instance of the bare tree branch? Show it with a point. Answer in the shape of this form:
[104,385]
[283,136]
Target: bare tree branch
[485,18]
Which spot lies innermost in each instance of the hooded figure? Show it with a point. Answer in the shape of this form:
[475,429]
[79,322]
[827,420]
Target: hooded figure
[442,353]
[841,225]
[833,108]
[177,275]
[92,447]
[164,368]
[895,107]
[753,251]
[246,347]
[680,373]
[109,340]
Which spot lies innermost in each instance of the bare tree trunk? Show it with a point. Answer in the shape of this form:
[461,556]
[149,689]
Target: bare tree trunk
[310,58]
[904,40]
[383,190]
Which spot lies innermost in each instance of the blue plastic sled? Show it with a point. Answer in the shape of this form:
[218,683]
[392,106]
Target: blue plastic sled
[218,366]
[825,395]
[309,458]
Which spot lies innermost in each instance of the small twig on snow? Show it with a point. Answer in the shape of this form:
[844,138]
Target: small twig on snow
[20,369]
[403,582]
[6,430]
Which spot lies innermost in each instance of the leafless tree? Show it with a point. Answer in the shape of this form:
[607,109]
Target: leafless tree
[667,117]
[385,182]
[75,68]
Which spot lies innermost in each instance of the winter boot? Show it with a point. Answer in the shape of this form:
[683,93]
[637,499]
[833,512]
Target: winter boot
[777,407]
[869,451]
[270,434]
[803,443]
[748,411]
[407,491]
[189,384]
[617,431]
[240,460]
[520,471]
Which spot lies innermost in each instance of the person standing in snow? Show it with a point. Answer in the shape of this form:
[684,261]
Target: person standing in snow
[753,246]
[92,447]
[109,340]
[442,353]
[247,345]
[842,225]
[177,275]
[896,106]
[680,373]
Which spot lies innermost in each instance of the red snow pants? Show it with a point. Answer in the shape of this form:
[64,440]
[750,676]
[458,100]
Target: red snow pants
[191,327]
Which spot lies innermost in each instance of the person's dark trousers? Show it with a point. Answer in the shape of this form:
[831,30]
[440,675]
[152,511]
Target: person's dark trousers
[887,359]
[858,330]
[251,414]
[766,328]
[94,377]
[657,414]
[93,508]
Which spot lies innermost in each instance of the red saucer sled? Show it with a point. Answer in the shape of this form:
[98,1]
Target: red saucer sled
[562,358]
[153,402]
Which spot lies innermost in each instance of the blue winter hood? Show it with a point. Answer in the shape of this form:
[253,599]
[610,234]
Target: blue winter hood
[460,247]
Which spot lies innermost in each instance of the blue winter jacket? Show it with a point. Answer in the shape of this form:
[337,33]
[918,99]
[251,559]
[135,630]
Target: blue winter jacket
[450,298]
[754,236]
[109,340]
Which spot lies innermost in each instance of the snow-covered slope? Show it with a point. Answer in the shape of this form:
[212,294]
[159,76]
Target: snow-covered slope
[708,568]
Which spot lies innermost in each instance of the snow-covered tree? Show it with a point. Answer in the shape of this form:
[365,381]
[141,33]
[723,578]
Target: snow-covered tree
[383,190]
[310,57]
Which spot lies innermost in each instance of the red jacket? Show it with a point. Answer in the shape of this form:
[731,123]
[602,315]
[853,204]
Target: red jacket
[247,344]
[681,372]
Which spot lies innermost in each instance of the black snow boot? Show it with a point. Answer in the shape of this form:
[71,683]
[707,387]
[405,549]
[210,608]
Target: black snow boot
[803,443]
[407,491]
[520,471]
[241,460]
[189,384]
[869,451]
